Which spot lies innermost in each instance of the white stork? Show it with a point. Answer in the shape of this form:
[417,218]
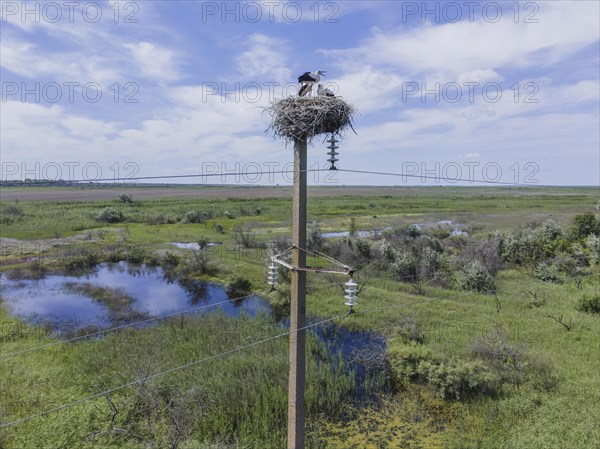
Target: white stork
[307,80]
[324,91]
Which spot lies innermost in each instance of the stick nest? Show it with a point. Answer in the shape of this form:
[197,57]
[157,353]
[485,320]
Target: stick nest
[302,118]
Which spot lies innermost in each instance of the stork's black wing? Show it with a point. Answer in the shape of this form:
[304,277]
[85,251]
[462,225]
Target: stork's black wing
[306,77]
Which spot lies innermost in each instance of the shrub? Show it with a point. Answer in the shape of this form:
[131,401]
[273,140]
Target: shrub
[410,231]
[170,260]
[352,227]
[193,216]
[219,228]
[315,241]
[450,379]
[475,277]
[13,209]
[126,198]
[404,267]
[505,361]
[550,230]
[244,235]
[84,261]
[405,360]
[10,213]
[197,262]
[458,380]
[593,246]
[134,252]
[589,304]
[441,233]
[548,272]
[239,286]
[38,268]
[110,215]
[583,225]
[488,253]
[155,220]
[428,262]
[387,252]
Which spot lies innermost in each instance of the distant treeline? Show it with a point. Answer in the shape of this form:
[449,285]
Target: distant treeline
[61,183]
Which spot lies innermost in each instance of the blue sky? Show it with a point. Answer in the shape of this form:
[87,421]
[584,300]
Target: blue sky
[499,91]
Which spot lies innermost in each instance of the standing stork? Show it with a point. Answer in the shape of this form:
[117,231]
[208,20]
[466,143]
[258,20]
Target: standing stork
[307,80]
[324,91]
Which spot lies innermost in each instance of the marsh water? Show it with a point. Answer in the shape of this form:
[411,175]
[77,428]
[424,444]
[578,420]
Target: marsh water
[117,293]
[61,301]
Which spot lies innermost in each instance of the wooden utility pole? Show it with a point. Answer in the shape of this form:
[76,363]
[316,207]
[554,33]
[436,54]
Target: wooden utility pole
[297,379]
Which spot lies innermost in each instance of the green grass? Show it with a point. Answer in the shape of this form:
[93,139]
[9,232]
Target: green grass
[522,417]
[237,399]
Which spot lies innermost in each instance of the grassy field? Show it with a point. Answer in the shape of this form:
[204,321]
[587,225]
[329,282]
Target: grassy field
[525,360]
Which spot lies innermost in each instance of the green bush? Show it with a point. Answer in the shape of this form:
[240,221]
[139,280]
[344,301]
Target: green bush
[507,362]
[193,216]
[84,261]
[455,379]
[475,277]
[406,358]
[134,252]
[170,260]
[548,272]
[126,198]
[589,304]
[386,252]
[10,213]
[197,262]
[584,225]
[110,215]
[593,247]
[404,266]
[315,241]
[239,286]
[449,379]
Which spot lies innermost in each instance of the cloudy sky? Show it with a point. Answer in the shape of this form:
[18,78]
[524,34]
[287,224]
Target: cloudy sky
[499,91]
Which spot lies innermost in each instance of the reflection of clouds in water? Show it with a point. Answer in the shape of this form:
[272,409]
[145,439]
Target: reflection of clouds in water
[47,299]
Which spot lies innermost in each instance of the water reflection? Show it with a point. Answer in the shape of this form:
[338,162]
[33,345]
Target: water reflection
[154,291]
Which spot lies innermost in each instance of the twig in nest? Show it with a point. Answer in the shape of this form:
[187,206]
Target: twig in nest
[302,118]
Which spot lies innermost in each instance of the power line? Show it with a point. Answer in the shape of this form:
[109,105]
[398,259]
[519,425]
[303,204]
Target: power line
[195,175]
[440,178]
[206,359]
[312,170]
[136,323]
[231,351]
[181,312]
[162,373]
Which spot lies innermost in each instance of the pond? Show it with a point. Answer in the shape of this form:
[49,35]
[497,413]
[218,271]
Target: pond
[455,230]
[112,294]
[117,293]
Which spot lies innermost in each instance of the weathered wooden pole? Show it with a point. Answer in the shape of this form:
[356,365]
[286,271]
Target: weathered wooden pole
[297,378]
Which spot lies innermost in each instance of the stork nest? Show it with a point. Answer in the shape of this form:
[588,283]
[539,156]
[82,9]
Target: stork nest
[302,118]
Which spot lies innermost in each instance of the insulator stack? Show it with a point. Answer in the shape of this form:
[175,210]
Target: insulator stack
[351,291]
[272,278]
[332,153]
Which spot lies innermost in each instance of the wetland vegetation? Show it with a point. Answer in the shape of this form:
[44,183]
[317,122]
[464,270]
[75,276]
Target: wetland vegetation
[490,333]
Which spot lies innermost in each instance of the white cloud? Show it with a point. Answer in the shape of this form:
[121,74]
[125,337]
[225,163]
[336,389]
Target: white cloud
[155,62]
[265,57]
[452,49]
[479,76]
